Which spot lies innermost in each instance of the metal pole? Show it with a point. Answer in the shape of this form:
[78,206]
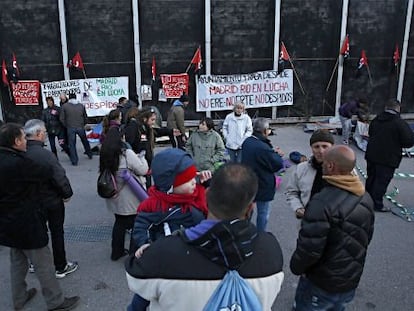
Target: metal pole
[276,46]
[341,61]
[137,51]
[207,43]
[405,48]
[63,39]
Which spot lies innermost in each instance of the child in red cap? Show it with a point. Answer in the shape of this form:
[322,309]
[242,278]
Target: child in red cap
[175,201]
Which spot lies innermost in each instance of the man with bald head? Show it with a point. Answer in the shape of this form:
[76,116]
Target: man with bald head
[334,236]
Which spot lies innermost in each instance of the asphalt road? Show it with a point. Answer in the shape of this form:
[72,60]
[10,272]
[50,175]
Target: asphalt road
[386,284]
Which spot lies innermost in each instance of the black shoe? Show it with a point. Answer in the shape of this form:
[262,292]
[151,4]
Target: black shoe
[67,304]
[30,294]
[383,209]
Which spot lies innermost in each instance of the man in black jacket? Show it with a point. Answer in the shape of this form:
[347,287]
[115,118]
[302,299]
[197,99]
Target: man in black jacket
[388,134]
[22,225]
[53,193]
[334,236]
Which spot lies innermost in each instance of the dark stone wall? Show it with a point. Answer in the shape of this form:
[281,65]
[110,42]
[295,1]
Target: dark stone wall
[242,41]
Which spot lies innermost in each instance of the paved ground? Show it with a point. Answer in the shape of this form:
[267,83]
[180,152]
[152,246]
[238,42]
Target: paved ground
[386,284]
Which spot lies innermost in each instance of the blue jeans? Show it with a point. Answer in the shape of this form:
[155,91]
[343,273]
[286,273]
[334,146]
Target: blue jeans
[312,298]
[263,211]
[138,304]
[235,155]
[72,132]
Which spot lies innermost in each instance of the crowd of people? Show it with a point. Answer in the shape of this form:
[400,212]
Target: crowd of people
[194,223]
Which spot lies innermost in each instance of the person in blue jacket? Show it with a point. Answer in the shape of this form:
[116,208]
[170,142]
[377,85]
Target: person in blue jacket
[259,154]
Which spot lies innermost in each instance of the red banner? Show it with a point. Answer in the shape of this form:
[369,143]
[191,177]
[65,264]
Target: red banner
[26,92]
[174,85]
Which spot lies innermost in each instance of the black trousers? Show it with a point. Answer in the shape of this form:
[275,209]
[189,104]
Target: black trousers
[177,142]
[122,223]
[379,177]
[55,219]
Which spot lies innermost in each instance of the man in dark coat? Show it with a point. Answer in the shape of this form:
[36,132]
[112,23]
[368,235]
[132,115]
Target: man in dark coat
[53,193]
[54,127]
[388,134]
[258,153]
[22,223]
[335,232]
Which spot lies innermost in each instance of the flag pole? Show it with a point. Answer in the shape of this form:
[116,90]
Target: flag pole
[332,75]
[84,73]
[369,75]
[297,77]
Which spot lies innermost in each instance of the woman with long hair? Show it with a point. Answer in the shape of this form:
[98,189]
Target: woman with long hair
[115,157]
[112,119]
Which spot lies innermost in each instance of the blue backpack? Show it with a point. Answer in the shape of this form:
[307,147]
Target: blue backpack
[233,294]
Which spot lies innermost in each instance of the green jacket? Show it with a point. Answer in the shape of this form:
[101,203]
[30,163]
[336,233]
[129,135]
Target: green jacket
[206,148]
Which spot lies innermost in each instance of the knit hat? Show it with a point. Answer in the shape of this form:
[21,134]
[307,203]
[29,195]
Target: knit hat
[322,135]
[172,167]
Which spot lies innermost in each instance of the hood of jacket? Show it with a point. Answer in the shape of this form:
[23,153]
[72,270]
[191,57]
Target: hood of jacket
[177,103]
[350,183]
[73,101]
[388,115]
[228,243]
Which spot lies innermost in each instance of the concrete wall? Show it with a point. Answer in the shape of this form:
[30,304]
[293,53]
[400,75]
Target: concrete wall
[242,41]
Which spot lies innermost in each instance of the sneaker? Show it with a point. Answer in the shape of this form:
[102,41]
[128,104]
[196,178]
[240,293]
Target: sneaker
[67,304]
[31,268]
[70,267]
[345,142]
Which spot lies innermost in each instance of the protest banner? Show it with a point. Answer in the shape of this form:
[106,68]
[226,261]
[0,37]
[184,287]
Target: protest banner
[174,85]
[26,92]
[99,95]
[257,89]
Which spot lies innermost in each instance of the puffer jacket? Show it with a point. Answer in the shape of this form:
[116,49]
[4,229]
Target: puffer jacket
[332,245]
[388,134]
[206,148]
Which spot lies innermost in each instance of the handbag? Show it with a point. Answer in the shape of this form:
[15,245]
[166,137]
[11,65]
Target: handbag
[106,185]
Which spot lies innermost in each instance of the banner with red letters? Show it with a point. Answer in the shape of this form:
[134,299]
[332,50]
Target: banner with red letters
[26,92]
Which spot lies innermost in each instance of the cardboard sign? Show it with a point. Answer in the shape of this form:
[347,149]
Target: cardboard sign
[26,92]
[174,85]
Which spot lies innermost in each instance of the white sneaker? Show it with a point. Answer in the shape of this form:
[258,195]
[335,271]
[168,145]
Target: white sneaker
[31,268]
[345,142]
[70,267]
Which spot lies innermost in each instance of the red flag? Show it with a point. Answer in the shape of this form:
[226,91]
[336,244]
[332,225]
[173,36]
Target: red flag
[76,61]
[4,73]
[396,56]
[284,55]
[16,71]
[153,69]
[197,59]
[345,48]
[363,61]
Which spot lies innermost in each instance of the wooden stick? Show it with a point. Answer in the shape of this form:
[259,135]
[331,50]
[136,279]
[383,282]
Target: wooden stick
[297,77]
[84,73]
[369,75]
[332,74]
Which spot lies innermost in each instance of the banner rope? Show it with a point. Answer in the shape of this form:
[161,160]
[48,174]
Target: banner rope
[390,197]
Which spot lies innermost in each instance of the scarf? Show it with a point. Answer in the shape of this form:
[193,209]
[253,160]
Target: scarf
[349,183]
[161,201]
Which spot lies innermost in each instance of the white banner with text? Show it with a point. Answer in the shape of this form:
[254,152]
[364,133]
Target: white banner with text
[99,95]
[257,89]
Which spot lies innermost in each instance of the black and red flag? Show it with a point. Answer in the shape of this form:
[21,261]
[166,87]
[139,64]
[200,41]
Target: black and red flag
[363,62]
[4,73]
[284,58]
[76,62]
[396,56]
[153,69]
[197,59]
[16,70]
[345,48]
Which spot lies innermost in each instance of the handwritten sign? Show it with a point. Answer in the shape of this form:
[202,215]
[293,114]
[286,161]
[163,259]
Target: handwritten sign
[174,85]
[26,92]
[99,95]
[257,89]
